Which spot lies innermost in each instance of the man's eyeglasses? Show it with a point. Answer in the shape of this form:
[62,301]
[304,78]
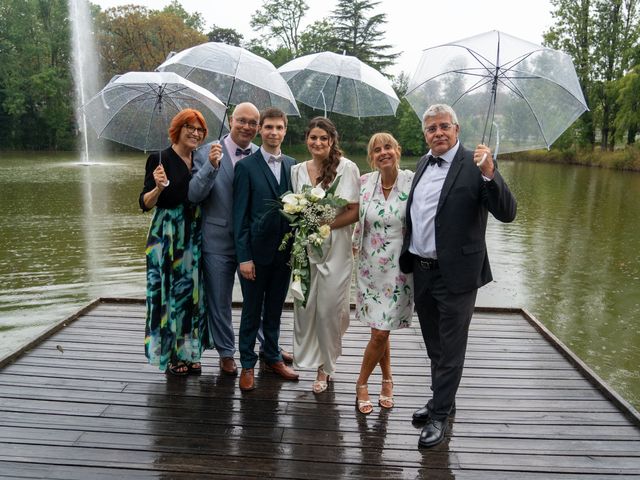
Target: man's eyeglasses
[244,123]
[192,129]
[445,127]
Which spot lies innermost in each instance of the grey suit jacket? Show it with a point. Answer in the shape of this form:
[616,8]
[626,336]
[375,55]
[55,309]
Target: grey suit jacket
[213,189]
[461,221]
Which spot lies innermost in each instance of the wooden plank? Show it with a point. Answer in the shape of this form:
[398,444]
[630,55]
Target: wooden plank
[99,411]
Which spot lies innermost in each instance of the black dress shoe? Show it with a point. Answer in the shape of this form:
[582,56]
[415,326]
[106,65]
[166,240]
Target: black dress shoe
[433,433]
[422,414]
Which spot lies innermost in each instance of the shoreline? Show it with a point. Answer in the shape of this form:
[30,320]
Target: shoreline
[627,159]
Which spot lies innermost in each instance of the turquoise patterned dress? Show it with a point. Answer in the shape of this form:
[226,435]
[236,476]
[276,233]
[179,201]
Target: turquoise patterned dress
[175,299]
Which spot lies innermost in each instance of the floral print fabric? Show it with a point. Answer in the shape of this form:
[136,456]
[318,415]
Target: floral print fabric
[384,298]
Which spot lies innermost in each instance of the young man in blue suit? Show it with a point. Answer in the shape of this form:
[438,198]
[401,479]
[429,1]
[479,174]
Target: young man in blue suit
[258,228]
[212,186]
[444,246]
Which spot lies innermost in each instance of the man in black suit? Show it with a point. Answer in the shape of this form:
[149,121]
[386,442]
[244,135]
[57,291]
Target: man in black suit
[260,179]
[444,246]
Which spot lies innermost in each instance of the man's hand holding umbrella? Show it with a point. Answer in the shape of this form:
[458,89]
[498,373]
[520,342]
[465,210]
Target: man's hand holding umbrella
[483,158]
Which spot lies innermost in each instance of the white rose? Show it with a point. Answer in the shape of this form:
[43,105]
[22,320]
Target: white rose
[291,208]
[324,231]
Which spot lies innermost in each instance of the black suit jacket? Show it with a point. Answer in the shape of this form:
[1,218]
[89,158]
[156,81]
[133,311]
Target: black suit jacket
[461,222]
[258,225]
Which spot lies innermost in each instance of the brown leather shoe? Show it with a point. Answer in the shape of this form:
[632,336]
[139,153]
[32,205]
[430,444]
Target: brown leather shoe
[286,357]
[228,366]
[246,380]
[284,371]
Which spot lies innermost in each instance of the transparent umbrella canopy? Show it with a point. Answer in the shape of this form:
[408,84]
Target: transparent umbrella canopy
[507,92]
[234,75]
[136,108]
[340,83]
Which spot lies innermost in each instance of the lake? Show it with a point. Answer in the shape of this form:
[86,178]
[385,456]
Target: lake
[71,233]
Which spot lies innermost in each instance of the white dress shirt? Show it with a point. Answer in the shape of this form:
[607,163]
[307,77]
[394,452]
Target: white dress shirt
[424,205]
[274,162]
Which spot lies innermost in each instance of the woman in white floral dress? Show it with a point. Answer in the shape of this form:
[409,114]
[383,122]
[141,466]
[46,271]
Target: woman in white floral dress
[385,295]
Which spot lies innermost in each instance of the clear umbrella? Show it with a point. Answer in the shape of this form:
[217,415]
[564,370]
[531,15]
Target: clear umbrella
[136,108]
[340,83]
[502,88]
[234,74]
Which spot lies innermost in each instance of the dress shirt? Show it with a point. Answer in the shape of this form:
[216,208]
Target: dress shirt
[274,162]
[232,148]
[424,205]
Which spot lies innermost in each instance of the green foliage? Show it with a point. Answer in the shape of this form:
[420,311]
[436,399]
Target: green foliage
[628,102]
[318,37]
[193,21]
[359,33]
[280,20]
[35,83]
[225,35]
[601,36]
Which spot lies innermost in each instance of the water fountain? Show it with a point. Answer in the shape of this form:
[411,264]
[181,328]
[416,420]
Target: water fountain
[85,67]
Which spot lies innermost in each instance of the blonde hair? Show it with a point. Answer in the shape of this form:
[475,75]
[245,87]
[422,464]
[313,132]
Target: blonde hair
[382,138]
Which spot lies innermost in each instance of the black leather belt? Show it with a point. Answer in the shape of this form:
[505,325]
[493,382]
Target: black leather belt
[427,263]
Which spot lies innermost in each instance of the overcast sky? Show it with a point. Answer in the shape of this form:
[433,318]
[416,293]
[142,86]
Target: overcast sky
[409,29]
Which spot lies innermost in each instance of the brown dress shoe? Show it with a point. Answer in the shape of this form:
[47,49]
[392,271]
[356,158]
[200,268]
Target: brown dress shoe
[228,366]
[284,371]
[246,380]
[286,357]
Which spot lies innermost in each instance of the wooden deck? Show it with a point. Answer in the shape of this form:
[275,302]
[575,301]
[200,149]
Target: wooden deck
[526,410]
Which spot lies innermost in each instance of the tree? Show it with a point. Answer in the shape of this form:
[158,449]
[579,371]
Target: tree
[193,21]
[599,35]
[280,20]
[318,37]
[35,79]
[616,29]
[572,33]
[628,104]
[133,38]
[359,35]
[225,35]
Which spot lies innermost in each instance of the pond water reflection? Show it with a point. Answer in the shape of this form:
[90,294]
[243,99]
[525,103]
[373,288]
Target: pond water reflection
[71,233]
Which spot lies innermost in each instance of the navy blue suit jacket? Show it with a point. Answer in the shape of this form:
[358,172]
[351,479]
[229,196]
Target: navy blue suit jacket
[258,225]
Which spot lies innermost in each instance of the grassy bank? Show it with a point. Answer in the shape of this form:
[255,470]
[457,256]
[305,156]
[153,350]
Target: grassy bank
[627,158]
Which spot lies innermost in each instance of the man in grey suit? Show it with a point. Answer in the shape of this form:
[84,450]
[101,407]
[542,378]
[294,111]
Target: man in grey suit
[444,246]
[212,186]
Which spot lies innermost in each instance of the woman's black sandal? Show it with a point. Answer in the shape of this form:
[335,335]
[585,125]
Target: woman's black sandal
[179,370]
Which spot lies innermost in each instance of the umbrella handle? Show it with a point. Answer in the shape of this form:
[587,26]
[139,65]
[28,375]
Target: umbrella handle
[484,157]
[217,142]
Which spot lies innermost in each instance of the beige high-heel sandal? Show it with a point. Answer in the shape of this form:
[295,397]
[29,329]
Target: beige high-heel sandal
[363,406]
[320,386]
[383,400]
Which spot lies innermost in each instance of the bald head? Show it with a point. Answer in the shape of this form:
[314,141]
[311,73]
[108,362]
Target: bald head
[244,124]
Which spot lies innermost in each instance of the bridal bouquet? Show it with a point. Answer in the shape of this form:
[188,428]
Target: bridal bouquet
[309,213]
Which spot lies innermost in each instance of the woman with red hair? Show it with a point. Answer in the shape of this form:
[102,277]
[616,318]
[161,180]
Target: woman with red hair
[175,303]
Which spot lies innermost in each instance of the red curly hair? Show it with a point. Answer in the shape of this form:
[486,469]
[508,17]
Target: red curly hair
[185,116]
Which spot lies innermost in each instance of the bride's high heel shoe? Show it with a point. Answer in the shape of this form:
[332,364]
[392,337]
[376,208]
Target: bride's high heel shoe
[383,400]
[320,386]
[363,406]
